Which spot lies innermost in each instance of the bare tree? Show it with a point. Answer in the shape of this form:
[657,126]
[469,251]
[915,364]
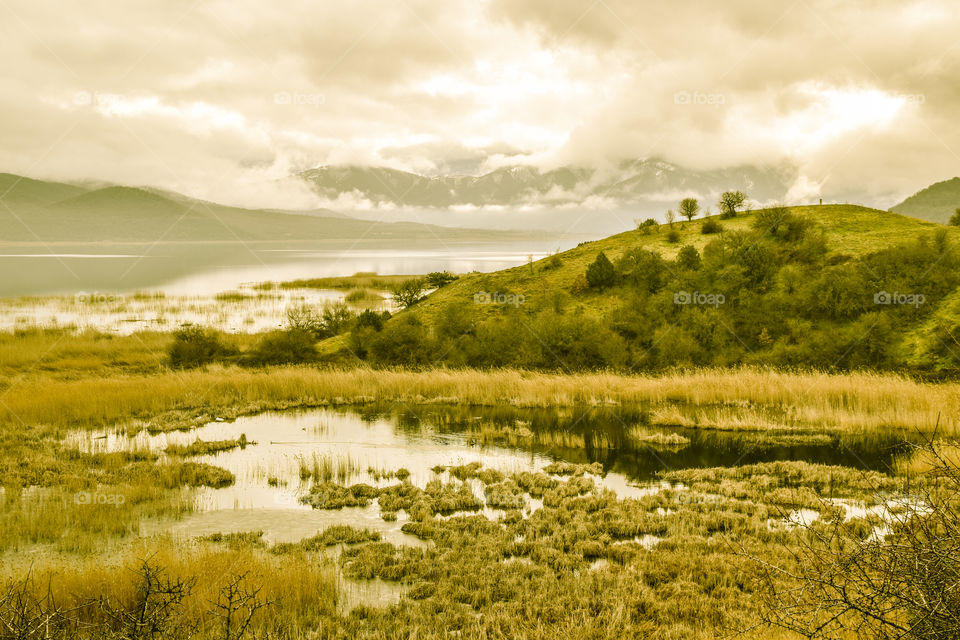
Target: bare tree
[236,606]
[156,610]
[24,615]
[895,577]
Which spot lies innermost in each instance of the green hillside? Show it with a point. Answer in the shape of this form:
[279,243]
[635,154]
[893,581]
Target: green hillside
[54,212]
[17,191]
[937,202]
[801,286]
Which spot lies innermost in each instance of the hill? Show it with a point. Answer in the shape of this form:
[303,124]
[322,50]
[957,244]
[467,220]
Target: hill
[53,212]
[937,202]
[832,286]
[631,182]
[18,191]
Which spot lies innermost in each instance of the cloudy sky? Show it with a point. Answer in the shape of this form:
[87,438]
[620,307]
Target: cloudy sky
[221,99]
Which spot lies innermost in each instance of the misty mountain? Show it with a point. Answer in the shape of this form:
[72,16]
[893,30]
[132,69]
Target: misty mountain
[636,181]
[935,203]
[34,211]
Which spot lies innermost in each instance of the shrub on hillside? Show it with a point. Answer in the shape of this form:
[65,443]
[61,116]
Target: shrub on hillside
[601,274]
[710,225]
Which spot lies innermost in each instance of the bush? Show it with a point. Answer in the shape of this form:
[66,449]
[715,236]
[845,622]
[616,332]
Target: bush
[955,218]
[710,225]
[601,274]
[439,278]
[369,319]
[647,226]
[195,347]
[673,236]
[689,258]
[293,346]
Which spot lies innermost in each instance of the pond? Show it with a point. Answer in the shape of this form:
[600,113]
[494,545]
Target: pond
[287,451]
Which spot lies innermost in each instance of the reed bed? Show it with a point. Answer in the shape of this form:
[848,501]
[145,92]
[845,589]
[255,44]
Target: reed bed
[850,401]
[326,467]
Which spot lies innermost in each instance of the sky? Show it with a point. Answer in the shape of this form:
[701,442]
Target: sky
[228,100]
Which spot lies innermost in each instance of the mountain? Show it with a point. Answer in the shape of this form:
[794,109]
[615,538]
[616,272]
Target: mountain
[936,203]
[50,212]
[630,182]
[18,191]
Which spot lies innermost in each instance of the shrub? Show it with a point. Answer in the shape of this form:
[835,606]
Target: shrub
[955,218]
[293,346]
[195,347]
[647,226]
[710,225]
[689,258]
[439,278]
[673,236]
[600,273]
[369,319]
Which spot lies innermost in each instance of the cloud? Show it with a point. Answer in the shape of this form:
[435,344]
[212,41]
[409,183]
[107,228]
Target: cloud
[222,99]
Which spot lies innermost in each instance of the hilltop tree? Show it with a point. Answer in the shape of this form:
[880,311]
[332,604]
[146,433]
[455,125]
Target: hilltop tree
[600,273]
[689,208]
[671,216]
[955,218]
[730,202]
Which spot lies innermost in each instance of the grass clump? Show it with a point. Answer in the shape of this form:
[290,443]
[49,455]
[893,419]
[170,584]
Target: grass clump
[326,495]
[337,534]
[207,447]
[193,474]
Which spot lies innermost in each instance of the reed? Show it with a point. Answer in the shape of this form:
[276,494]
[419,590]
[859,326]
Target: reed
[818,400]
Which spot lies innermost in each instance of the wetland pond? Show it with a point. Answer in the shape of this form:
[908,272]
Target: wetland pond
[287,452]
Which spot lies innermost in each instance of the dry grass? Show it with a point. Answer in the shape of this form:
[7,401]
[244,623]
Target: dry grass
[820,400]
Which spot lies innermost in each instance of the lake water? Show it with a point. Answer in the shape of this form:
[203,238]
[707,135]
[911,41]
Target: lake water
[205,269]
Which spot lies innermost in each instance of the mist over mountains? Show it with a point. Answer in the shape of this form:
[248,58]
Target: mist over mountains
[634,182]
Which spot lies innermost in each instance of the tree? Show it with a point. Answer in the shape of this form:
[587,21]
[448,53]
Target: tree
[730,202]
[600,273]
[409,292]
[955,218]
[671,216]
[689,208]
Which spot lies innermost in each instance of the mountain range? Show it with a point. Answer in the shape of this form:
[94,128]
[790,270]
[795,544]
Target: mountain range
[628,183]
[33,211]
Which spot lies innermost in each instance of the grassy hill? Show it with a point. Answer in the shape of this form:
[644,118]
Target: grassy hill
[832,286]
[55,212]
[937,202]
[849,230]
